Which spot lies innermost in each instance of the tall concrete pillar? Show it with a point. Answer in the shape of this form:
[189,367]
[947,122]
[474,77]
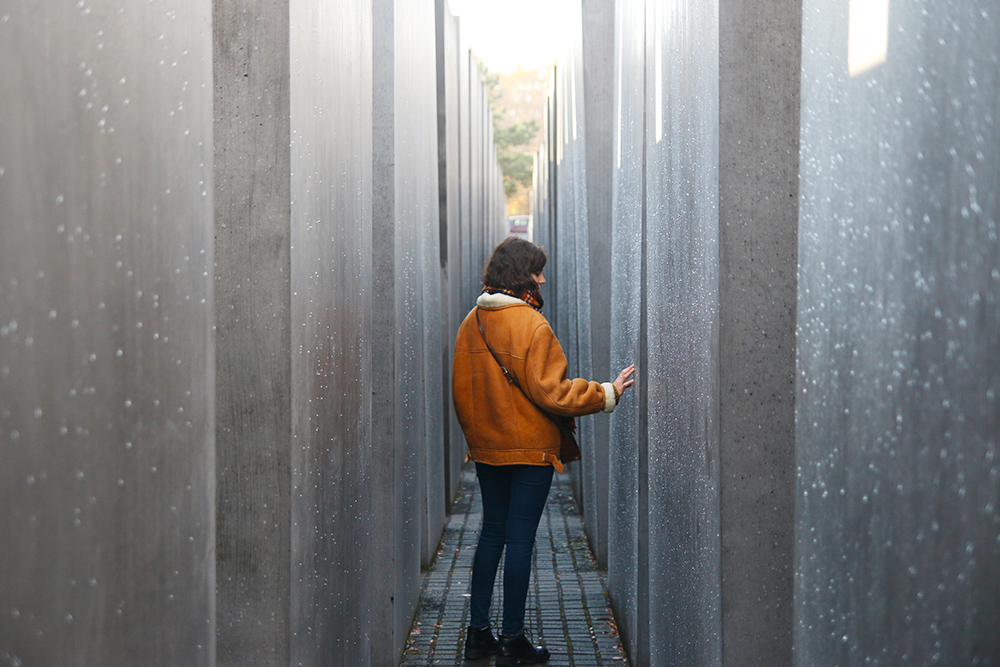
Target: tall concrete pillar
[107,466]
[331,193]
[570,288]
[453,261]
[253,331]
[294,140]
[703,300]
[419,358]
[387,620]
[897,529]
[628,542]
[408,487]
[759,72]
[598,42]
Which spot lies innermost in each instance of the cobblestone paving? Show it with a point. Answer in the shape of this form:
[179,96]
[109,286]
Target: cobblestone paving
[568,608]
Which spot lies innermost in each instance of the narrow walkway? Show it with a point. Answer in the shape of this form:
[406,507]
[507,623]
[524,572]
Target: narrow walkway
[568,606]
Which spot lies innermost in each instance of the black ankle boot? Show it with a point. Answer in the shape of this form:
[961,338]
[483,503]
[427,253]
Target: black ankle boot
[479,643]
[519,651]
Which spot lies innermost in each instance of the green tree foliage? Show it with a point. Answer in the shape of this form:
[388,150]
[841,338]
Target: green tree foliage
[514,151]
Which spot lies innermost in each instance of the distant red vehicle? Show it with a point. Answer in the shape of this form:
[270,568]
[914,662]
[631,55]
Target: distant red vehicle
[520,225]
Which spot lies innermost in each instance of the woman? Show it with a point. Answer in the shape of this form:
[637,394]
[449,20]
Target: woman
[512,438]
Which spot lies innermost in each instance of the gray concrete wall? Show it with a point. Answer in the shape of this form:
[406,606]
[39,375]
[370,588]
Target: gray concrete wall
[348,272]
[471,273]
[758,225]
[704,162]
[897,532]
[386,616]
[253,301]
[598,42]
[628,524]
[544,182]
[106,353]
[893,424]
[410,351]
[570,288]
[681,329]
[572,218]
[664,465]
[482,211]
[303,467]
[293,498]
[471,204]
[580,296]
[330,172]
[419,256]
[450,206]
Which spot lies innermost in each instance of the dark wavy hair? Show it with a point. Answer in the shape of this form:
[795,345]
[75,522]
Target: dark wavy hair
[512,263]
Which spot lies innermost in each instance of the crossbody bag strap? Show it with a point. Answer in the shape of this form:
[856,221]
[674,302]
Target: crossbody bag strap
[511,379]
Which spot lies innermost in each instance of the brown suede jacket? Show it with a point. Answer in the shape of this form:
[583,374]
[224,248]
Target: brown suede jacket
[501,425]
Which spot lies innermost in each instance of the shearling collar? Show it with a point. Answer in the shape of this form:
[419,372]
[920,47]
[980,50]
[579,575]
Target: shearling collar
[497,300]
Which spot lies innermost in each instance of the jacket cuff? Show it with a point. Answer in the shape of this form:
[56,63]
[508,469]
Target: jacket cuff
[609,397]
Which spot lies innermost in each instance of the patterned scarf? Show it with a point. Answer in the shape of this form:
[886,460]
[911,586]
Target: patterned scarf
[532,297]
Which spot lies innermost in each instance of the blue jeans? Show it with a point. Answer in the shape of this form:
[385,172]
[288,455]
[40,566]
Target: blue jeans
[513,499]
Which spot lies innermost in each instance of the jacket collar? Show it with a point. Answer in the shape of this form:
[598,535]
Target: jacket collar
[497,300]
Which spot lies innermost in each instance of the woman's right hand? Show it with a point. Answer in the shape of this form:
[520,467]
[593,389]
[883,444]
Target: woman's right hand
[624,379]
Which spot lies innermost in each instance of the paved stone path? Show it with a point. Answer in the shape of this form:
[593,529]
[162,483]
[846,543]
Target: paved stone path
[568,607]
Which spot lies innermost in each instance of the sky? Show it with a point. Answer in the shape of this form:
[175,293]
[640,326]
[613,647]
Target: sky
[506,33]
